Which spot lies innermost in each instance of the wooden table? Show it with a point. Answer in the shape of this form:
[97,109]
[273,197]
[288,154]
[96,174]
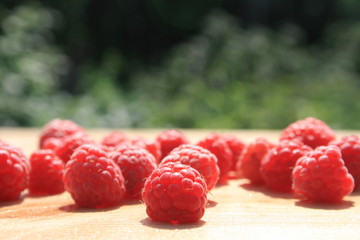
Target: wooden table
[236,210]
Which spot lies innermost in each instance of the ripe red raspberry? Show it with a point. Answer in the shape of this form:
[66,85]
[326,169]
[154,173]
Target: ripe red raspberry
[217,145]
[321,176]
[350,152]
[236,146]
[70,143]
[169,140]
[198,158]
[51,143]
[106,149]
[152,147]
[276,167]
[114,139]
[250,160]
[14,172]
[93,179]
[175,193]
[46,173]
[311,131]
[136,164]
[58,128]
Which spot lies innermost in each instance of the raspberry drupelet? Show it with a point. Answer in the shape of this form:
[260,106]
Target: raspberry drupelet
[170,139]
[199,158]
[46,173]
[321,176]
[276,167]
[311,131]
[217,145]
[93,179]
[350,152]
[136,164]
[250,160]
[175,193]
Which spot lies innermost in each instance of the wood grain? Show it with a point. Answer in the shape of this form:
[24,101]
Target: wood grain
[237,210]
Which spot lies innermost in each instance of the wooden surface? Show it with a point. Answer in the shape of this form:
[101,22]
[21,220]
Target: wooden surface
[235,211]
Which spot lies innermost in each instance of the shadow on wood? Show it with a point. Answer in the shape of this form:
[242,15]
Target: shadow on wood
[344,204]
[76,209]
[13,202]
[150,223]
[211,204]
[265,190]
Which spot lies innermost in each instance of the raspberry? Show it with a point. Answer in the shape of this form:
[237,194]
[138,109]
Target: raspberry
[58,128]
[70,143]
[311,131]
[114,139]
[136,164]
[276,167]
[217,145]
[250,160]
[46,173]
[93,179]
[198,158]
[51,143]
[236,147]
[321,176]
[350,152]
[106,149]
[169,140]
[14,172]
[175,193]
[152,147]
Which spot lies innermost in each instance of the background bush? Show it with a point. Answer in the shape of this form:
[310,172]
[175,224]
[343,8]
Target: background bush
[215,64]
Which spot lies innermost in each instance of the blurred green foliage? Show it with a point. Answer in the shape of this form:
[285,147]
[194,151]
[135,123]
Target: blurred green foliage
[230,78]
[222,77]
[30,68]
[31,71]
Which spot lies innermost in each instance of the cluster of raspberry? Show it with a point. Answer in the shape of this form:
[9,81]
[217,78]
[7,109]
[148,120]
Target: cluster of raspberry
[173,177]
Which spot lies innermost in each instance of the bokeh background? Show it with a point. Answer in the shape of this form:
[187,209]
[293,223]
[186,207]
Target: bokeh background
[180,63]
